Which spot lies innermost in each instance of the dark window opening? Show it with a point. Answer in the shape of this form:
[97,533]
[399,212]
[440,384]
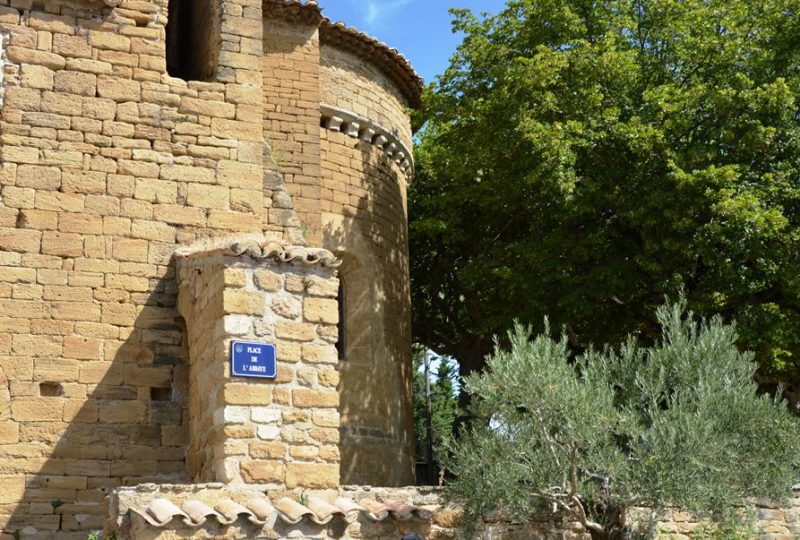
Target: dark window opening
[161,394]
[193,39]
[340,344]
[51,389]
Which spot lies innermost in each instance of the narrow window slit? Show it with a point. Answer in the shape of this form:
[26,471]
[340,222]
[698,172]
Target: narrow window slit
[341,343]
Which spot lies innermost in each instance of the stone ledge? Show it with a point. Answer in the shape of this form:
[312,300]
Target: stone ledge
[266,250]
[358,127]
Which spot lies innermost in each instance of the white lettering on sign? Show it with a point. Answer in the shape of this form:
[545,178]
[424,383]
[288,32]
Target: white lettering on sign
[253,360]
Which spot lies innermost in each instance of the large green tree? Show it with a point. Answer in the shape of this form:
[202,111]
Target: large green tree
[677,423]
[583,158]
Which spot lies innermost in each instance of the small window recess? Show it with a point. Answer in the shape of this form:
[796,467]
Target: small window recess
[341,344]
[193,39]
[51,389]
[160,394]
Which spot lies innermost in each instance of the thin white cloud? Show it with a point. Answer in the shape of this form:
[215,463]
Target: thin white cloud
[376,13]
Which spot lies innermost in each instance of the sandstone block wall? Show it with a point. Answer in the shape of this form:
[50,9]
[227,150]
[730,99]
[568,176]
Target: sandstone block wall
[291,113]
[364,217]
[363,88]
[107,164]
[262,432]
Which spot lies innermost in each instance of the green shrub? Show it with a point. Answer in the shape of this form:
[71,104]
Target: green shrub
[679,423]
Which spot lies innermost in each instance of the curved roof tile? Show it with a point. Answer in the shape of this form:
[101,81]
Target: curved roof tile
[295,10]
[264,250]
[162,513]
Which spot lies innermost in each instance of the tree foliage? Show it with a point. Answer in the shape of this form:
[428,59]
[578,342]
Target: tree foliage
[678,423]
[444,405]
[583,158]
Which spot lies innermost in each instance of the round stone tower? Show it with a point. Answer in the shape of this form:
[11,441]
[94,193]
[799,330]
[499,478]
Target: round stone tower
[366,165]
[337,126]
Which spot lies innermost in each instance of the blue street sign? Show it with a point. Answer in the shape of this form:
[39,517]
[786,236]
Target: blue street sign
[253,360]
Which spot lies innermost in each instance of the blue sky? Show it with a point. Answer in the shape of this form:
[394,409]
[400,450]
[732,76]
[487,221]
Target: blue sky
[420,29]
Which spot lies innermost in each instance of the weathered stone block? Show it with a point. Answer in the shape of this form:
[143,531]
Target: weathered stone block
[321,310]
[22,55]
[76,83]
[37,409]
[306,398]
[243,302]
[9,432]
[287,307]
[267,280]
[268,450]
[11,489]
[263,471]
[312,475]
[320,354]
[295,331]
[247,394]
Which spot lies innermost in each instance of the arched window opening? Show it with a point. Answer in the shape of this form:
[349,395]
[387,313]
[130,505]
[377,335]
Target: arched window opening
[341,343]
[193,39]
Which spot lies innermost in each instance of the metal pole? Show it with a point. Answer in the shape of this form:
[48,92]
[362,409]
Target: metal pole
[429,415]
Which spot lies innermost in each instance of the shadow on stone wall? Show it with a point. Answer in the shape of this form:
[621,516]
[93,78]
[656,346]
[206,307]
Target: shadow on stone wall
[114,414]
[129,427]
[377,442]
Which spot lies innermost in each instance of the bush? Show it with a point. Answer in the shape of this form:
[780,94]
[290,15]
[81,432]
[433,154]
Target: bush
[678,423]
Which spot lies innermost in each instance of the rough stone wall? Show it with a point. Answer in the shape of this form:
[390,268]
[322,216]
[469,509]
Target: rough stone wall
[107,164]
[364,218]
[291,114]
[262,432]
[201,284]
[762,521]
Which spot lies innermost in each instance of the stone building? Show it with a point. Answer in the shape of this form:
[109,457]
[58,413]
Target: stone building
[182,181]
[176,175]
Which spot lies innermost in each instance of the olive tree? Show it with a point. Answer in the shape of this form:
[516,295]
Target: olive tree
[677,423]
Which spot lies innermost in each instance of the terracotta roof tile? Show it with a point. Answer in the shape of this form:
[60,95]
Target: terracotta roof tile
[399,511]
[296,10]
[264,250]
[162,513]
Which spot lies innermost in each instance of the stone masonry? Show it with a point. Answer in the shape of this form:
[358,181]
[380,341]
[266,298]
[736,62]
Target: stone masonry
[131,129]
[262,432]
[141,142]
